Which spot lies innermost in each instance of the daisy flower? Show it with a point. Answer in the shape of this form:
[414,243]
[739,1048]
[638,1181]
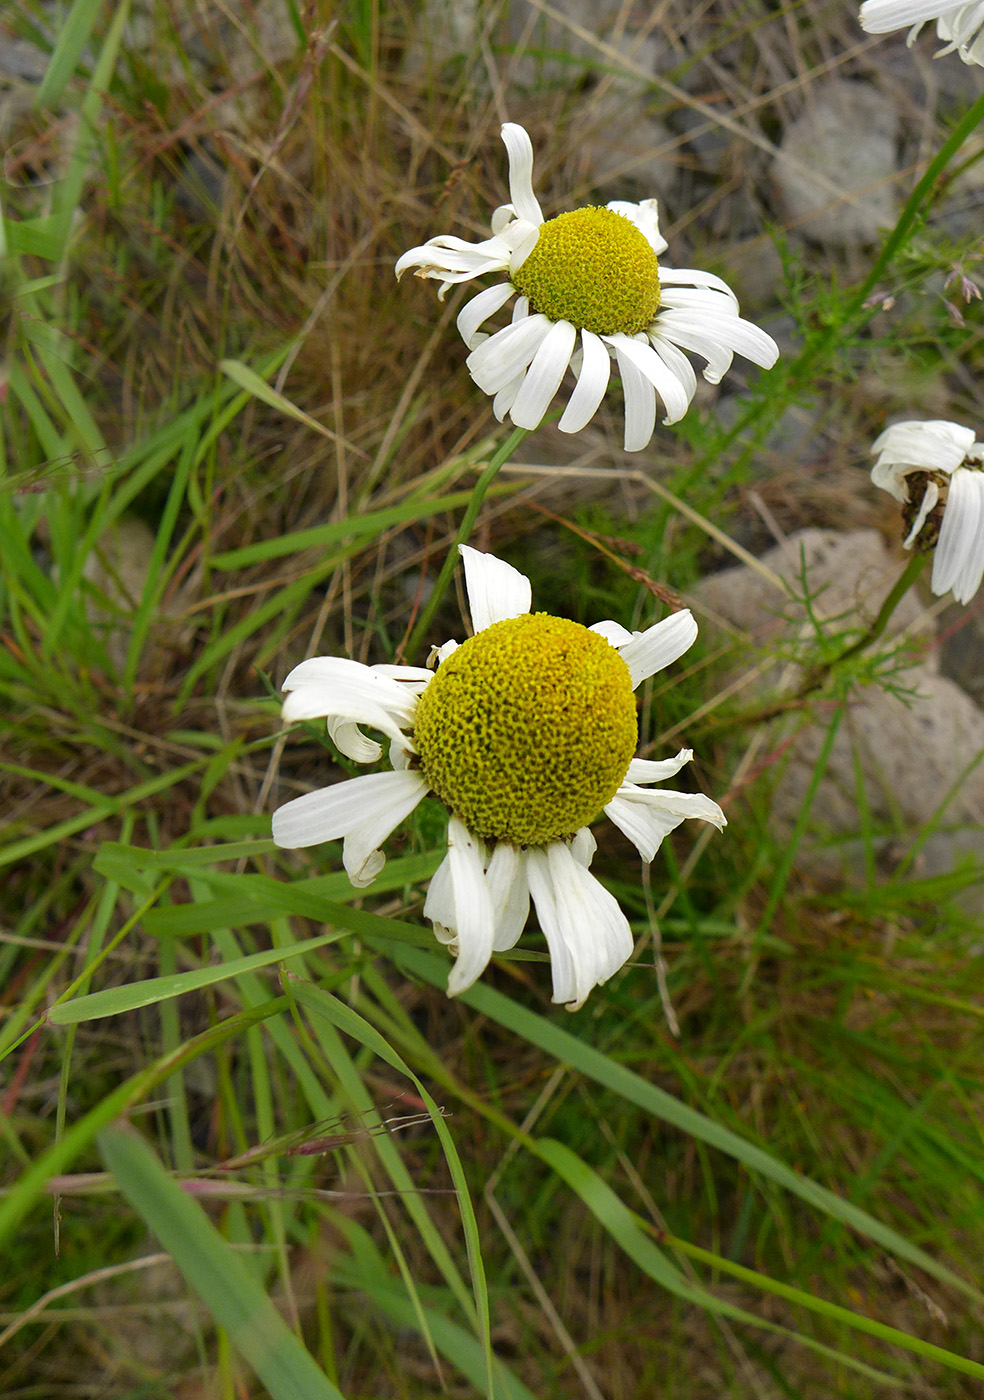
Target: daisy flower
[588,289]
[526,731]
[957,25]
[935,470]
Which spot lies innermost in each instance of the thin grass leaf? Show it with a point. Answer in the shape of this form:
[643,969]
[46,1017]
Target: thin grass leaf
[584,1058]
[229,1291]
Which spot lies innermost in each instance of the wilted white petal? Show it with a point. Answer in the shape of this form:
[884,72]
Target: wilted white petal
[463,906]
[480,308]
[349,739]
[882,16]
[519,148]
[592,381]
[500,358]
[648,770]
[495,589]
[959,561]
[363,810]
[645,216]
[583,847]
[640,401]
[613,632]
[644,358]
[659,646]
[588,935]
[646,815]
[510,894]
[930,497]
[544,375]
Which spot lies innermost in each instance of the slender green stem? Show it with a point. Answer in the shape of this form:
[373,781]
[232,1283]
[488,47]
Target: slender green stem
[835,331]
[900,588]
[496,461]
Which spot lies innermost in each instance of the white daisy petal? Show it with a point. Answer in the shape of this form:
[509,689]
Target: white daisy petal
[471,907]
[583,847]
[648,770]
[495,589]
[362,810]
[676,362]
[640,401]
[645,216]
[588,935]
[614,633]
[480,308]
[519,149]
[882,16]
[504,399]
[930,497]
[592,381]
[659,646]
[959,561]
[510,893]
[644,358]
[310,703]
[544,375]
[646,815]
[500,358]
[935,445]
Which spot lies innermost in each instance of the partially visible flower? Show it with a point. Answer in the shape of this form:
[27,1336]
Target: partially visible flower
[525,732]
[957,25]
[589,289]
[935,469]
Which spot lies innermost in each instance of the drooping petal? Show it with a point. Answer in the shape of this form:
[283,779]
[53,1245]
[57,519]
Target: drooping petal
[344,714]
[649,770]
[510,894]
[362,810]
[640,353]
[614,633]
[462,905]
[640,400]
[495,589]
[933,445]
[646,815]
[543,378]
[645,216]
[958,565]
[659,646]
[676,362]
[592,381]
[882,16]
[477,311]
[519,149]
[506,353]
[930,497]
[588,935]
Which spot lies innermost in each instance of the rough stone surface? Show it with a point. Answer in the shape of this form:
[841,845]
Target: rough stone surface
[911,751]
[834,173]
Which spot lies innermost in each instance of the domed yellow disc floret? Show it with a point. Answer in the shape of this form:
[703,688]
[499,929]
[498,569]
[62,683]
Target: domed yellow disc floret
[528,729]
[594,268]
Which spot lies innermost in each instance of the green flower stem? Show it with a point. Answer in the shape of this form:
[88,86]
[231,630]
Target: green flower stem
[815,678]
[901,587]
[800,370]
[422,626]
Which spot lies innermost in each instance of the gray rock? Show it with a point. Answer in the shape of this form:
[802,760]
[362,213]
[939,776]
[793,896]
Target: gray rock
[836,163]
[910,751]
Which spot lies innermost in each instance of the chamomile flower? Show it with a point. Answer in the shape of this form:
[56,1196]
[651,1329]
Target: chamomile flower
[526,731]
[589,289]
[958,26]
[936,470]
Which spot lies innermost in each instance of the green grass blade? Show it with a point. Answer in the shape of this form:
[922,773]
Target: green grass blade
[568,1049]
[230,1292]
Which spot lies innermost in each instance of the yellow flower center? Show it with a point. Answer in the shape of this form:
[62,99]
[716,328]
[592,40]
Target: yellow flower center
[594,268]
[528,729]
